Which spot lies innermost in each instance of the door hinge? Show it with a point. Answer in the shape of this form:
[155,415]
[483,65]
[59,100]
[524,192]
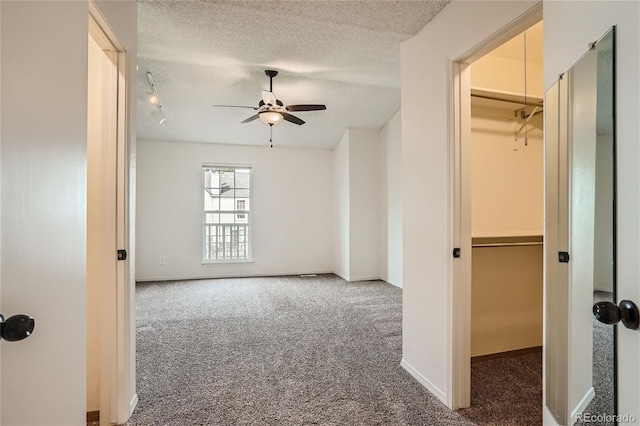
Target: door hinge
[122,255]
[456,253]
[563,257]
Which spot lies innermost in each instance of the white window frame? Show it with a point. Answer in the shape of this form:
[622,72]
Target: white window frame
[235,212]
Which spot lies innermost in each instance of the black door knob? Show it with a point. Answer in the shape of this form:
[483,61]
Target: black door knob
[609,313]
[17,327]
[606,312]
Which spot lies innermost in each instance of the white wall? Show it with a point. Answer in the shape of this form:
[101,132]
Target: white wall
[364,208]
[566,41]
[341,220]
[44,208]
[356,213]
[391,202]
[427,180]
[292,205]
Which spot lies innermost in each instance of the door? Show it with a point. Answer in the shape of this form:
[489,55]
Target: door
[43,209]
[101,218]
[109,349]
[582,264]
[43,137]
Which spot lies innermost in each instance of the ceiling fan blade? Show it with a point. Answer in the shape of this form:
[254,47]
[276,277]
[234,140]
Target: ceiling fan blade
[234,106]
[269,98]
[292,119]
[253,117]
[310,107]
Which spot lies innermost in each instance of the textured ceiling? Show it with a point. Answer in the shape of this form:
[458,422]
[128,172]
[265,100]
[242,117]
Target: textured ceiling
[342,53]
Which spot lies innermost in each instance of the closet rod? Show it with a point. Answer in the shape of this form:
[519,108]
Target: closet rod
[527,243]
[494,98]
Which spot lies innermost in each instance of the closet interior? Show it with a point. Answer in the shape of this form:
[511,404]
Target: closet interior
[507,201]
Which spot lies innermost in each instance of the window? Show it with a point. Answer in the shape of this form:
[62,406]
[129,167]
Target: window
[241,206]
[226,214]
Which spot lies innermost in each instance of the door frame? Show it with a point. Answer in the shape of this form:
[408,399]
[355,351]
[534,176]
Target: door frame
[460,198]
[117,373]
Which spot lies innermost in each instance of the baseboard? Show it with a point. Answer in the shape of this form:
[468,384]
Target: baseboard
[188,278]
[425,382]
[93,416]
[393,284]
[133,404]
[547,418]
[582,405]
[365,279]
[507,354]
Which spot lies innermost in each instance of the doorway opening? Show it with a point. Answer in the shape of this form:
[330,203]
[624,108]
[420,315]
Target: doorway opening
[507,220]
[108,336]
[498,159]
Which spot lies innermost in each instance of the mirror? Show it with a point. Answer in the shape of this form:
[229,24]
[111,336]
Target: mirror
[592,229]
[580,236]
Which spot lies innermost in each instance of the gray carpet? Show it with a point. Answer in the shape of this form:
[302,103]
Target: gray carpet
[300,351]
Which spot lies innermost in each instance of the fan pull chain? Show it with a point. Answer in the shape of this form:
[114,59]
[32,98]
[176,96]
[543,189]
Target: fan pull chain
[526,128]
[271,134]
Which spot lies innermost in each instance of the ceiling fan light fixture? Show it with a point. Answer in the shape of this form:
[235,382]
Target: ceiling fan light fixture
[270,117]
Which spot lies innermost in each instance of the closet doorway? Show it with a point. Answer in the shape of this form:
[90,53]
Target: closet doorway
[507,197]
[499,155]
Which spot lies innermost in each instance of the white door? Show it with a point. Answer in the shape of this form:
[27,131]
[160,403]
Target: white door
[588,236]
[43,209]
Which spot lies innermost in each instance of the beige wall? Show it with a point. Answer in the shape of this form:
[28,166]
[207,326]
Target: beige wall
[506,299]
[507,176]
[503,68]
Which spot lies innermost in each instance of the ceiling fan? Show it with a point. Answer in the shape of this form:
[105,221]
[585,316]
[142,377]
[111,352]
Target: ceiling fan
[272,111]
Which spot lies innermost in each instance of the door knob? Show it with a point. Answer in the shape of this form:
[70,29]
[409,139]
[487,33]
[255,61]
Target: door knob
[609,313]
[17,327]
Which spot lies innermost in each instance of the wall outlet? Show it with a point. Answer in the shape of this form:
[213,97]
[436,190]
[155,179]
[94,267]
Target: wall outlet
[162,260]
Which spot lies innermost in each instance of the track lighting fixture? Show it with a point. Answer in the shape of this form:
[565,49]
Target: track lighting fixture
[154,99]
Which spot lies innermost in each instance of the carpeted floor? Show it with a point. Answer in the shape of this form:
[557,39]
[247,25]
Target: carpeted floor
[300,351]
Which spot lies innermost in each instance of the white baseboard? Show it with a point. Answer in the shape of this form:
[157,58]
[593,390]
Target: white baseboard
[425,382]
[186,278]
[364,279]
[133,404]
[582,405]
[394,284]
[548,419]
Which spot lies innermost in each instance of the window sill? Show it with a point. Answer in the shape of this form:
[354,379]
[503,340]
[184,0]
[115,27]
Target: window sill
[230,262]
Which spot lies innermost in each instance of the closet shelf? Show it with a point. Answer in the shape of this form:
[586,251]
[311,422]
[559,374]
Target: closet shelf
[502,96]
[507,241]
